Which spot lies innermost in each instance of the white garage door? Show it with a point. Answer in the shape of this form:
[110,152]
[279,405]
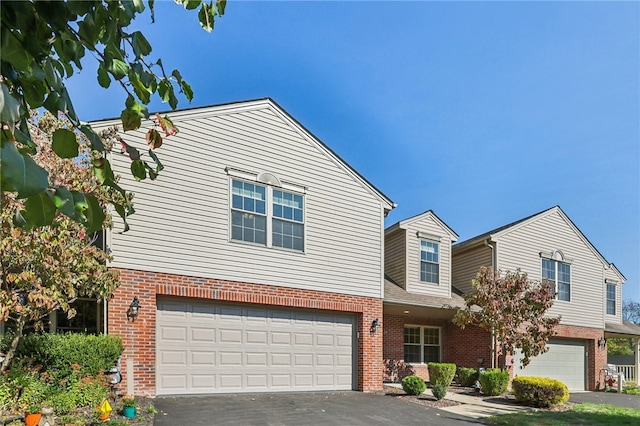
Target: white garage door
[565,361]
[204,347]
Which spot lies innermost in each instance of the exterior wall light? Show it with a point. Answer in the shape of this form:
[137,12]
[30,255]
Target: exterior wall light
[602,343]
[134,309]
[375,325]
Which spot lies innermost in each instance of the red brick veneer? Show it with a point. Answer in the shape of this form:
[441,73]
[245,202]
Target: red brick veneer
[139,336]
[465,347]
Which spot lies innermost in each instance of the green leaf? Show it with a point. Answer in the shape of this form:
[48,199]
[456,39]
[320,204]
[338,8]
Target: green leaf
[139,89]
[141,46]
[13,52]
[63,200]
[9,105]
[187,90]
[177,75]
[65,143]
[191,4]
[163,90]
[94,215]
[139,5]
[103,77]
[118,68]
[159,166]
[94,139]
[138,170]
[222,5]
[19,173]
[205,16]
[130,120]
[154,140]
[152,10]
[123,214]
[39,210]
[102,171]
[88,30]
[34,93]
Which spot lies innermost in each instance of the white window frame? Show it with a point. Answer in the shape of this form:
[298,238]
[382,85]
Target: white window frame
[422,343]
[270,182]
[607,299]
[437,244]
[557,259]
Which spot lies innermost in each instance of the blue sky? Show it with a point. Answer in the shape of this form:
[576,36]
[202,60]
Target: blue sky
[485,112]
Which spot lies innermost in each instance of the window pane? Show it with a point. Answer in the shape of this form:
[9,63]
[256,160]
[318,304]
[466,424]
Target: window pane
[429,272]
[412,335]
[431,354]
[431,336]
[411,353]
[288,234]
[548,270]
[564,292]
[237,202]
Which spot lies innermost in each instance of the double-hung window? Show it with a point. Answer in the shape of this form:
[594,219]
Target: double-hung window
[611,299]
[429,262]
[421,344]
[266,215]
[558,273]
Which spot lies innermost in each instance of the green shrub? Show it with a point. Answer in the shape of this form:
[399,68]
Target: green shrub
[21,387]
[439,391]
[494,381]
[631,390]
[441,373]
[539,391]
[467,376]
[413,385]
[58,352]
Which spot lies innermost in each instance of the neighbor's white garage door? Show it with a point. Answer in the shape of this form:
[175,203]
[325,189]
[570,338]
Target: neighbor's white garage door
[204,347]
[565,361]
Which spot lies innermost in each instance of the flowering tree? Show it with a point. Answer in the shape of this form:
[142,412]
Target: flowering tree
[513,309]
[43,43]
[43,269]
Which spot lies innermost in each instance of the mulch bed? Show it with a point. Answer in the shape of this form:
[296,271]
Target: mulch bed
[426,400]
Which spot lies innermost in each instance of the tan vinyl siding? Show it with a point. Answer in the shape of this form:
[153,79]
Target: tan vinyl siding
[182,220]
[467,264]
[414,285]
[521,248]
[395,257]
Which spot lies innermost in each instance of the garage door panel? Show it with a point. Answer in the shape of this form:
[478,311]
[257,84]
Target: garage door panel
[217,348]
[564,361]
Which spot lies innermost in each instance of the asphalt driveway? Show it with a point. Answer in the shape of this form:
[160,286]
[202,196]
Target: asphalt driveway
[619,399]
[300,409]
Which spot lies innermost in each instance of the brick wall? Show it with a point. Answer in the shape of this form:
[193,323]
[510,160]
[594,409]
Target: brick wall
[139,335]
[461,347]
[466,347]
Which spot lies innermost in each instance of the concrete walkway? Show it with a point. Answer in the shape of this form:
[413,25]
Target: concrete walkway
[476,407]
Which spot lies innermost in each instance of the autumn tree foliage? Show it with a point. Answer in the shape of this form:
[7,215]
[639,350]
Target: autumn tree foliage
[514,309]
[43,269]
[43,44]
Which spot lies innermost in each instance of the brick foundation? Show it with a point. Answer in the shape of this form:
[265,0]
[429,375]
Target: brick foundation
[139,335]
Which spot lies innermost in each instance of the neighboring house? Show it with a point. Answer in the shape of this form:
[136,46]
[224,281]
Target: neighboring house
[419,301]
[256,257]
[548,245]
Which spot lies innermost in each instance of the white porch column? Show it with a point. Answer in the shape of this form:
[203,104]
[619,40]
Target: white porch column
[637,351]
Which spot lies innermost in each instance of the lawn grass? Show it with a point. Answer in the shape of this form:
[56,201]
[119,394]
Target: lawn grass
[583,414]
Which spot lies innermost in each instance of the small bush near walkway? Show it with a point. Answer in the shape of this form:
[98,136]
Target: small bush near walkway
[467,377]
[441,373]
[494,382]
[439,391]
[413,385]
[539,391]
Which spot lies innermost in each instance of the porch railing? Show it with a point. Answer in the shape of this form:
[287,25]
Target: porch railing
[630,372]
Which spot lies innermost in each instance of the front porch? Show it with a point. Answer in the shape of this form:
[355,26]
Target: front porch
[626,330]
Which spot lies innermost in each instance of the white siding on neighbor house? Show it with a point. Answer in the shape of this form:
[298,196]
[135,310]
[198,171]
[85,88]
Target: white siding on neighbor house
[182,219]
[395,256]
[467,264]
[521,248]
[431,229]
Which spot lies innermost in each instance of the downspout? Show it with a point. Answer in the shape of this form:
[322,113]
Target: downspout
[493,336]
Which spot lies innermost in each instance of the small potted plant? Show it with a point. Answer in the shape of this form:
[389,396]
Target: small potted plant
[32,415]
[129,407]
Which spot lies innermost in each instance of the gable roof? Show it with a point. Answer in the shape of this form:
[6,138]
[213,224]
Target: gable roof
[262,103]
[403,224]
[503,230]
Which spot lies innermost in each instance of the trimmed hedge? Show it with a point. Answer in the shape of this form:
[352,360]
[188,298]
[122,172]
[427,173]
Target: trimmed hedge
[467,376]
[441,373]
[494,382]
[539,391]
[413,385]
[58,352]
